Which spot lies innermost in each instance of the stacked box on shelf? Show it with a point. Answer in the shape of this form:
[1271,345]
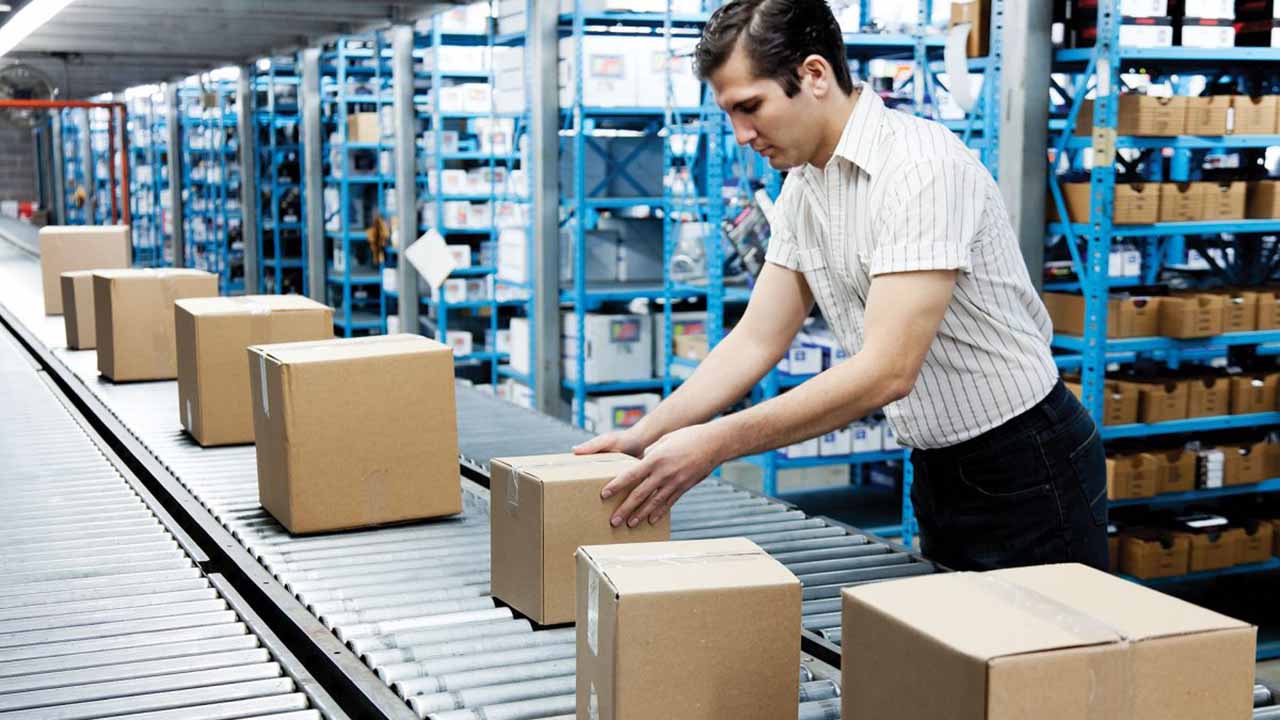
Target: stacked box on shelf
[281,231]
[359,180]
[211,182]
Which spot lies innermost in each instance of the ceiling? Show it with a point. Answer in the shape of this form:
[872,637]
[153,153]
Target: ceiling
[96,46]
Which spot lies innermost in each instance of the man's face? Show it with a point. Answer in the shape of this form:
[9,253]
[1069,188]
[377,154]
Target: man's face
[782,129]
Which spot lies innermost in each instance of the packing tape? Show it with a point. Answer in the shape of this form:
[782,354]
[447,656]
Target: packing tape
[593,704]
[262,369]
[593,611]
[513,491]
[191,426]
[677,559]
[955,60]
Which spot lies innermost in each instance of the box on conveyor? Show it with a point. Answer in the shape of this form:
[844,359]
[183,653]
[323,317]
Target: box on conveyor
[1054,642]
[79,247]
[355,432]
[212,334]
[542,508]
[696,629]
[133,319]
[77,309]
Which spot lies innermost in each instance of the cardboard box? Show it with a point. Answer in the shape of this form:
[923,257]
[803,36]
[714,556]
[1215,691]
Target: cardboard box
[1150,554]
[801,360]
[866,437]
[133,319]
[802,449]
[1134,204]
[1133,476]
[1254,116]
[1191,316]
[1255,545]
[1113,552]
[1223,201]
[1275,532]
[1119,407]
[79,247]
[1179,472]
[355,432]
[1126,316]
[1268,311]
[1141,115]
[1241,312]
[1208,396]
[363,128]
[692,347]
[1253,393]
[1181,202]
[671,616]
[839,442]
[77,309]
[212,334]
[689,322]
[542,508]
[1207,115]
[978,14]
[615,347]
[1214,551]
[1246,464]
[1263,200]
[1162,402]
[1053,642]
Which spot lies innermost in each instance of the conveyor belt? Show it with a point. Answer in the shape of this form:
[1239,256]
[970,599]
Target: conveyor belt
[104,611]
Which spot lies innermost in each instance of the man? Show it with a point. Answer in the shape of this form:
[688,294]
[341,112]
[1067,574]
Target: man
[899,234]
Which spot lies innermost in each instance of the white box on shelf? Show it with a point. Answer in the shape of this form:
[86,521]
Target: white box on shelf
[606,413]
[457,213]
[610,73]
[455,290]
[518,344]
[865,437]
[684,322]
[1211,34]
[805,449]
[1146,36]
[801,360]
[461,341]
[615,347]
[499,341]
[453,182]
[480,215]
[461,255]
[393,324]
[513,255]
[1224,9]
[476,97]
[477,289]
[390,280]
[889,440]
[451,99]
[839,442]
[1145,8]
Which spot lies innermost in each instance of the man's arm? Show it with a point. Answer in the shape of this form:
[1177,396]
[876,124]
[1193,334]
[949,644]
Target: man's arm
[903,313]
[779,304]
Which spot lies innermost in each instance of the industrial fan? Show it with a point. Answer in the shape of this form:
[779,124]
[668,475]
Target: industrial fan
[23,82]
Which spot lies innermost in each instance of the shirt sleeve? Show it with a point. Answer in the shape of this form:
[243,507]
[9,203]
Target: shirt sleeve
[784,248]
[930,219]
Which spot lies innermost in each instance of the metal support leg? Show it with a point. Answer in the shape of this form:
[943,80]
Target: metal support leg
[406,171]
[86,159]
[176,234]
[309,103]
[59,175]
[544,157]
[245,128]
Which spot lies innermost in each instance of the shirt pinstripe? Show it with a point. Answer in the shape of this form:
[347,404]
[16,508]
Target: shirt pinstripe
[903,194]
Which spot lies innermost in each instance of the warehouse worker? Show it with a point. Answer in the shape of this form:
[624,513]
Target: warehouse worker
[900,236]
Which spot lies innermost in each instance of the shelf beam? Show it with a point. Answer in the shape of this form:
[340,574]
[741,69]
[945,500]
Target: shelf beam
[406,190]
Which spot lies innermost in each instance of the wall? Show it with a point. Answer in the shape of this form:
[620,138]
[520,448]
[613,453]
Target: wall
[17,164]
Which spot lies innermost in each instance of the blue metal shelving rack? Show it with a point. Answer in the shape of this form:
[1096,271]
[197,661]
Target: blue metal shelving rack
[211,183]
[281,230]
[430,47]
[148,176]
[74,178]
[100,166]
[355,77]
[1097,72]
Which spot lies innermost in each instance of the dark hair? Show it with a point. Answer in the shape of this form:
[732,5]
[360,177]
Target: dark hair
[778,35]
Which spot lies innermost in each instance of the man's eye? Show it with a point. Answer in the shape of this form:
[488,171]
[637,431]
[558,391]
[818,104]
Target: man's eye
[748,109]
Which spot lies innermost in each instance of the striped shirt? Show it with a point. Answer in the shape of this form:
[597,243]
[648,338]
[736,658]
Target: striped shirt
[904,194]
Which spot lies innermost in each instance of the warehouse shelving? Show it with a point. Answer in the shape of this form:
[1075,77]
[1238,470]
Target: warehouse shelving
[1201,495]
[355,78]
[211,183]
[148,176]
[74,178]
[281,232]
[100,160]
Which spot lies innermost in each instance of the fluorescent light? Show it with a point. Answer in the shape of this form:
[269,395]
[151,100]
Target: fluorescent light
[28,20]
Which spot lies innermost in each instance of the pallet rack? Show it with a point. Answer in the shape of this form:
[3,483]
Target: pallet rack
[280,227]
[148,149]
[211,183]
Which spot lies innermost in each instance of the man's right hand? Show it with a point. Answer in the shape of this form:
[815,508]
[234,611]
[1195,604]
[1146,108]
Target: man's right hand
[625,441]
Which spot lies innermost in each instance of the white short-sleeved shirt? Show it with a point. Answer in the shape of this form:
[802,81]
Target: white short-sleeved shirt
[904,194]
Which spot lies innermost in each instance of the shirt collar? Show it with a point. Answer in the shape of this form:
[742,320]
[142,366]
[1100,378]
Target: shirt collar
[859,140]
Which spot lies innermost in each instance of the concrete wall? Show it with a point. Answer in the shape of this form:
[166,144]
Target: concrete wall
[17,164]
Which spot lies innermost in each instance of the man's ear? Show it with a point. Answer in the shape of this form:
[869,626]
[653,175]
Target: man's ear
[816,74]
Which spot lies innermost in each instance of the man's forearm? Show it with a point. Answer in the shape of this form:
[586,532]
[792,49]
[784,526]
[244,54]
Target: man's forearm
[724,377]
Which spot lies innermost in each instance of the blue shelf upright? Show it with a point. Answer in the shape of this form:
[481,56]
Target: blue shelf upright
[281,229]
[76,188]
[148,176]
[359,178]
[100,161]
[211,182]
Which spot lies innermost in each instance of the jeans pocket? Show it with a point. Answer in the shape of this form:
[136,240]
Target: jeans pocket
[1089,462]
[1012,470]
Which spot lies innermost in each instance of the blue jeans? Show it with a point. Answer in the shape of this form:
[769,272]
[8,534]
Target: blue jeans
[1030,492]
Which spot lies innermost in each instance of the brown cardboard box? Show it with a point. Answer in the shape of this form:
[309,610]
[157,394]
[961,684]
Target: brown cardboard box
[1133,476]
[1126,316]
[1208,396]
[1253,393]
[79,247]
[1275,533]
[1245,464]
[978,14]
[1255,547]
[363,128]
[1150,554]
[1119,407]
[133,319]
[355,432]
[1268,311]
[77,309]
[1113,552]
[1241,312]
[212,334]
[1181,202]
[691,347]
[672,616]
[1222,201]
[1254,116]
[1134,204]
[1162,401]
[1214,550]
[1272,463]
[1051,642]
[1141,115]
[1263,200]
[1207,115]
[1179,474]
[1191,316]
[542,508]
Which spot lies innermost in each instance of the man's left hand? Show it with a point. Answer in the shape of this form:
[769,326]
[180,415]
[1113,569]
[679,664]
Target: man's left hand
[670,467]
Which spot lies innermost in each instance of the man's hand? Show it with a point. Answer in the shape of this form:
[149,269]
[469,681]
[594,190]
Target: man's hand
[670,467]
[625,441]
